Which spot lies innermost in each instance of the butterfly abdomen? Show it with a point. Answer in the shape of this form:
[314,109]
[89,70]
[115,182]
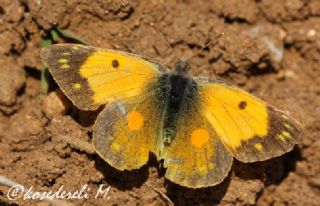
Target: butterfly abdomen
[178,94]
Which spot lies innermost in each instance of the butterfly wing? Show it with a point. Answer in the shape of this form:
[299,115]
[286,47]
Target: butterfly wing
[195,158]
[248,127]
[91,76]
[126,131]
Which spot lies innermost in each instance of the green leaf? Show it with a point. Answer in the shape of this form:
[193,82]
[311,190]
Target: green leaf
[45,42]
[45,79]
[55,35]
[69,35]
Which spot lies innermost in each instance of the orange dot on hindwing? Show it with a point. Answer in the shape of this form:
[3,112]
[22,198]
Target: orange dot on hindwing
[135,120]
[199,137]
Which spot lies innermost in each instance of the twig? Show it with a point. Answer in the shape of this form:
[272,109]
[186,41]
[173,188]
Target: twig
[78,144]
[163,196]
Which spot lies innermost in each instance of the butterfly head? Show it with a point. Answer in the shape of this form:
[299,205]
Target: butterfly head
[182,67]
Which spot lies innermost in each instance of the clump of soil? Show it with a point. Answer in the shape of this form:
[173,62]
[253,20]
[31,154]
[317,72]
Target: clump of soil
[270,48]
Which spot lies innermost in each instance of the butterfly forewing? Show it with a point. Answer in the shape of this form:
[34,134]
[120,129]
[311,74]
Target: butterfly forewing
[248,127]
[91,76]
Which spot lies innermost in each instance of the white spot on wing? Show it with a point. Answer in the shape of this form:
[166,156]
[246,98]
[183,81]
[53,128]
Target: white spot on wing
[121,108]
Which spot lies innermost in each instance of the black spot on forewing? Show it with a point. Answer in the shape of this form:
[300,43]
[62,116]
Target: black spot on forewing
[115,63]
[242,105]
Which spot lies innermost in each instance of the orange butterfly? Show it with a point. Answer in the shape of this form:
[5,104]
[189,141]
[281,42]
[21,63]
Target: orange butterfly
[195,125]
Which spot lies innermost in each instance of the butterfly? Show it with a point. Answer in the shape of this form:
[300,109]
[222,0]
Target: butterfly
[195,125]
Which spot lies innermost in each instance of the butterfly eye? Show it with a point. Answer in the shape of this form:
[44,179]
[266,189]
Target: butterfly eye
[194,85]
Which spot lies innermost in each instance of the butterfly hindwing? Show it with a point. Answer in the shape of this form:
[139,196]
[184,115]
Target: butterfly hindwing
[195,158]
[92,76]
[126,131]
[248,127]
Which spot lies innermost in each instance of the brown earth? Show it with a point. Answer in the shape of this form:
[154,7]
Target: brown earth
[270,48]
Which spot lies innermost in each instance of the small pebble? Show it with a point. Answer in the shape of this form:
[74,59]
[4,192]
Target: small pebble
[55,104]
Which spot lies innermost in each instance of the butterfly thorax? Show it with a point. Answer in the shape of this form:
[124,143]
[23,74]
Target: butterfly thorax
[180,88]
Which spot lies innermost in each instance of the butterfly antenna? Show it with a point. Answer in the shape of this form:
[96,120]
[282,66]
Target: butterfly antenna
[164,38]
[210,43]
[161,34]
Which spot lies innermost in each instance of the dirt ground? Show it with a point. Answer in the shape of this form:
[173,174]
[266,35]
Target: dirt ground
[270,48]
